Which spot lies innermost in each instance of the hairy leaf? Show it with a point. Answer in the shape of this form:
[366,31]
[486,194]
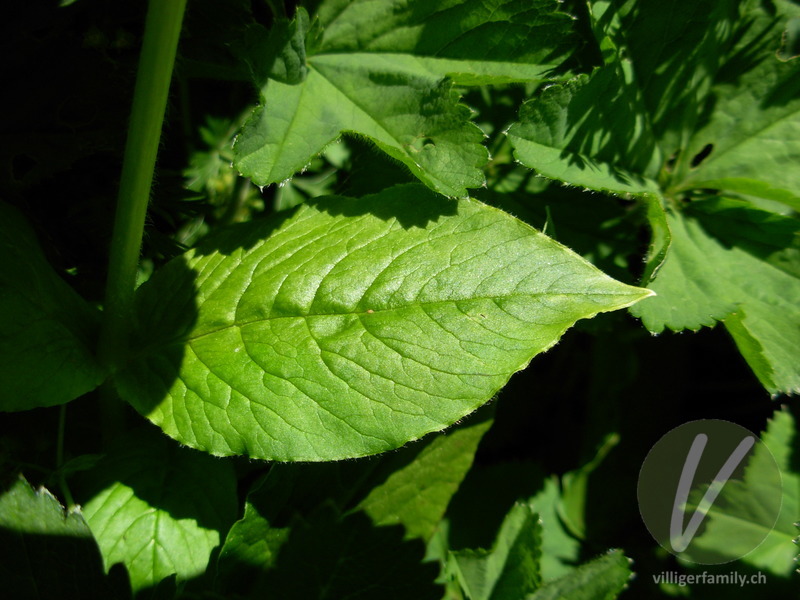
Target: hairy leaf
[590,132]
[674,52]
[748,143]
[352,326]
[48,331]
[603,578]
[159,509]
[729,261]
[378,68]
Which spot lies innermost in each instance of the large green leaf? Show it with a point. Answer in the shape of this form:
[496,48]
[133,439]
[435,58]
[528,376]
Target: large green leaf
[378,69]
[48,331]
[737,518]
[687,100]
[159,509]
[511,568]
[729,261]
[352,326]
[614,129]
[48,552]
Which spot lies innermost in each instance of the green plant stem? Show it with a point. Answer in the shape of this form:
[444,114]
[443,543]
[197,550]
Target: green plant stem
[62,481]
[162,31]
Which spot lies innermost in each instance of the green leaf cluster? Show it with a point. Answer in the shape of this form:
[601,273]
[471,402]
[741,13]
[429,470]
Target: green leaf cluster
[695,113]
[370,219]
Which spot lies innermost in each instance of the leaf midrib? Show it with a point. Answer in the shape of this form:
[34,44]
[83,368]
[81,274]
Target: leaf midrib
[391,309]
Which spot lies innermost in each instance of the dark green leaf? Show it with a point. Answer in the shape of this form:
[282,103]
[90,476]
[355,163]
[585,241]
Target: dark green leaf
[330,556]
[411,487]
[279,53]
[48,331]
[48,552]
[590,132]
[753,137]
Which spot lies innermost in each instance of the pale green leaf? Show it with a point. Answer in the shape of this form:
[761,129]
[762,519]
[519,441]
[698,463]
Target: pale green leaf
[417,494]
[48,331]
[352,326]
[735,263]
[510,569]
[37,536]
[738,517]
[159,509]
[603,578]
[377,70]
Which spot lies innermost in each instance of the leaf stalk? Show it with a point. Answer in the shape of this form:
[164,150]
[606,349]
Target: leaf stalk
[159,46]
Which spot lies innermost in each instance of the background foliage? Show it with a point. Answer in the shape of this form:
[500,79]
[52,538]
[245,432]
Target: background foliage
[656,140]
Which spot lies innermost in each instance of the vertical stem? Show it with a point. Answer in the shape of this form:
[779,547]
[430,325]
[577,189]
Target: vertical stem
[62,481]
[161,34]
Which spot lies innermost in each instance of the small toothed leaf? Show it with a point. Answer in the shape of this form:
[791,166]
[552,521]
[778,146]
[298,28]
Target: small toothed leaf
[731,262]
[159,509]
[604,578]
[384,70]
